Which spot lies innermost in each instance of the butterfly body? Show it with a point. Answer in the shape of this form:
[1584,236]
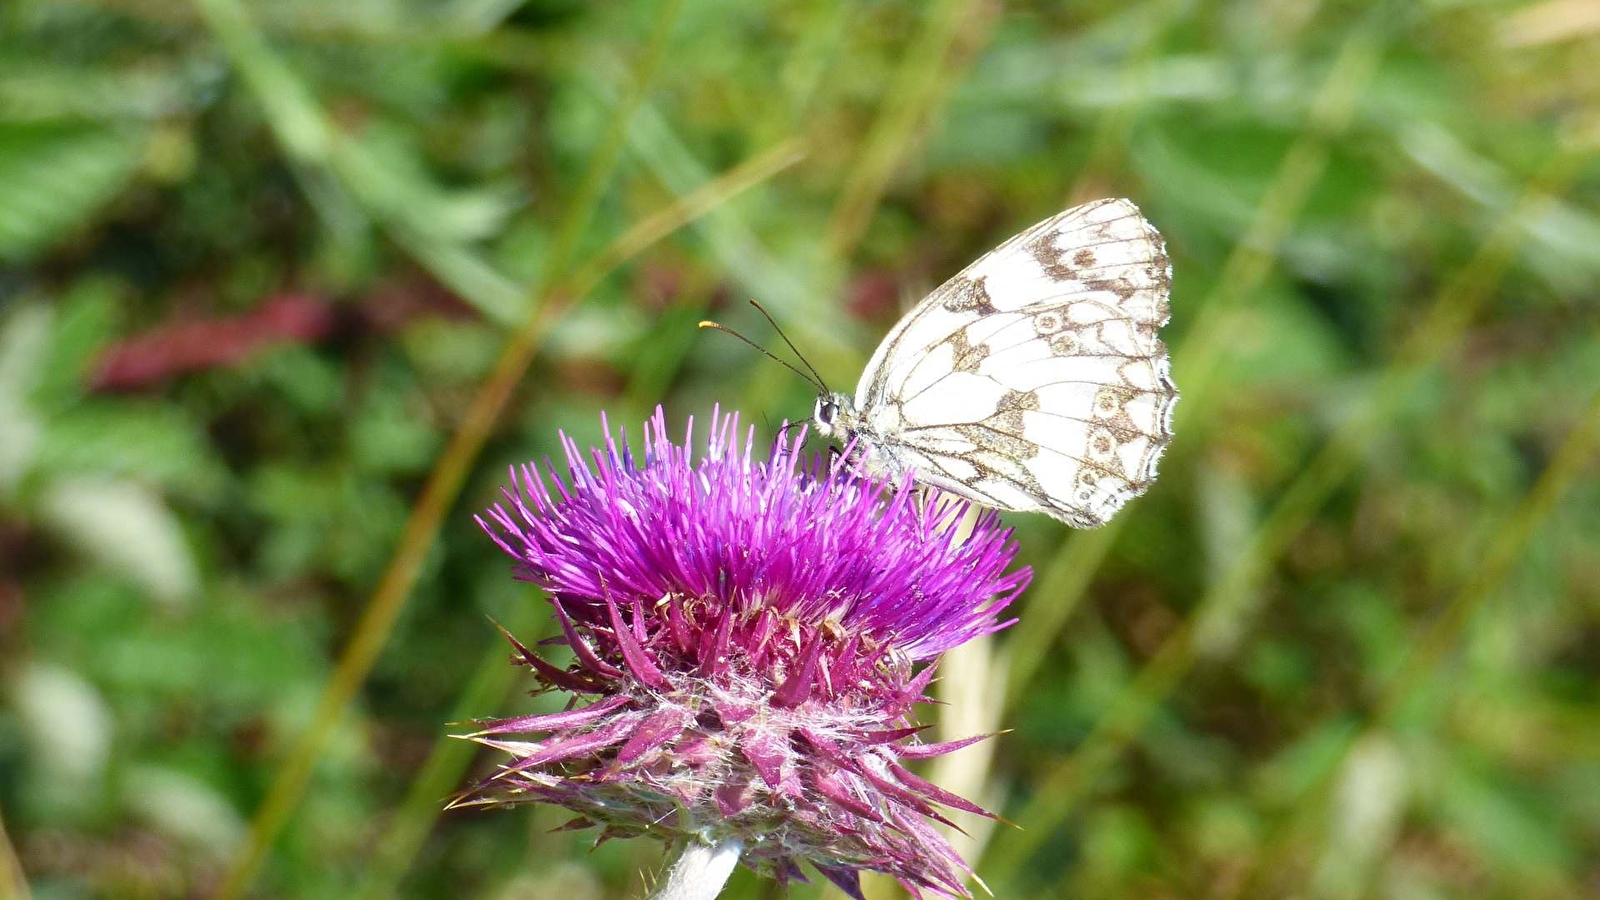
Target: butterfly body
[1034,379]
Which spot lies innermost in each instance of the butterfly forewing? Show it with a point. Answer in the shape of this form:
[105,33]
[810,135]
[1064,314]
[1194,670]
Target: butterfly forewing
[1034,379]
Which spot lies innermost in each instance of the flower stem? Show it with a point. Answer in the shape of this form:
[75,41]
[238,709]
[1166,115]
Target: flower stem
[700,871]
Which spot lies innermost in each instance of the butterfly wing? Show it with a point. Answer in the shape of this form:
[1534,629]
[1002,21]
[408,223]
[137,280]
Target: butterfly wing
[1034,379]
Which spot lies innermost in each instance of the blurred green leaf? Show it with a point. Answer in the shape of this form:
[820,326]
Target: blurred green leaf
[70,732]
[1370,802]
[310,383]
[1304,761]
[128,528]
[53,178]
[184,807]
[153,442]
[1565,239]
[453,351]
[40,90]
[385,436]
[24,345]
[1118,840]
[1505,820]
[398,179]
[87,315]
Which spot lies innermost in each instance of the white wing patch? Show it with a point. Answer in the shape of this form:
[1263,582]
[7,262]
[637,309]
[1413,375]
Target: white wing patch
[1034,379]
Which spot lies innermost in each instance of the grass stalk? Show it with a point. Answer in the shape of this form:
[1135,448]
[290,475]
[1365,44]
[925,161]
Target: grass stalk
[13,881]
[930,69]
[295,120]
[1421,665]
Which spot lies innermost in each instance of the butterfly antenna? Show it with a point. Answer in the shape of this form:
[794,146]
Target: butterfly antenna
[718,326]
[795,350]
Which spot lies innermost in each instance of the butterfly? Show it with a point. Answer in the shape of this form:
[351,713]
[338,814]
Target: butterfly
[1033,380]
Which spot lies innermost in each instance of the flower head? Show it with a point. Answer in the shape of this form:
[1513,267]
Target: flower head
[747,632]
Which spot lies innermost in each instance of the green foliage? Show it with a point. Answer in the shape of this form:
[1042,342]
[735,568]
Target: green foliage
[54,178]
[1346,647]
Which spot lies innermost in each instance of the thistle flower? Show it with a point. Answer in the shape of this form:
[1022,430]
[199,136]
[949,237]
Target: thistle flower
[747,635]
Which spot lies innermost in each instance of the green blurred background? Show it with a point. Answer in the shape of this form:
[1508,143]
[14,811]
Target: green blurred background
[287,284]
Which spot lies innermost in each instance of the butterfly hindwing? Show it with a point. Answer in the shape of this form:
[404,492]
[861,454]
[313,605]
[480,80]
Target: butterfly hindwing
[1034,379]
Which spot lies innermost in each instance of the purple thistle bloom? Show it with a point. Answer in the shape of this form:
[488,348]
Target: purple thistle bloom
[748,631]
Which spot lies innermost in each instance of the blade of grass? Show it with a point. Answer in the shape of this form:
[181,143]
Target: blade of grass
[969,677]
[488,689]
[934,63]
[1505,548]
[699,204]
[782,286]
[1109,141]
[1576,453]
[1458,300]
[1067,577]
[593,183]
[448,475]
[653,140]
[731,239]
[804,74]
[13,881]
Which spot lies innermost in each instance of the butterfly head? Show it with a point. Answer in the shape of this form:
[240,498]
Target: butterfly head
[833,414]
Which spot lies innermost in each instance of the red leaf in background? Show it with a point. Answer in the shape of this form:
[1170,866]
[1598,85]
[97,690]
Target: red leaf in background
[164,352]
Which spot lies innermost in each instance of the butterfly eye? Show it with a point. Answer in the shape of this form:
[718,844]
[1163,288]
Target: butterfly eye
[826,411]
